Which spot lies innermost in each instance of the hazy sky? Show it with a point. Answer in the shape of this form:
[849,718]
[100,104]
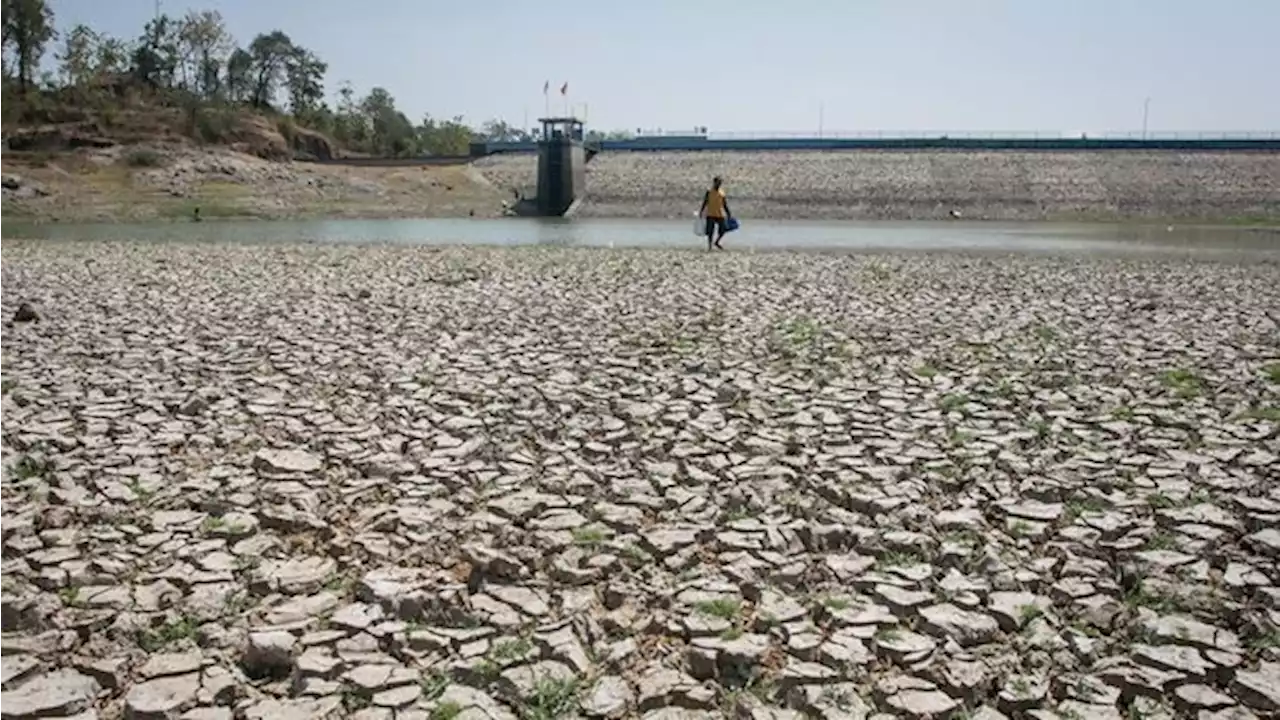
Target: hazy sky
[1069,65]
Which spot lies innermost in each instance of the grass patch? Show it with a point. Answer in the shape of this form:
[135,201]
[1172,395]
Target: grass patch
[925,370]
[433,685]
[1183,382]
[1271,371]
[1046,334]
[899,558]
[212,524]
[1268,640]
[1124,412]
[835,602]
[1161,541]
[552,699]
[1029,612]
[589,536]
[722,608]
[1076,507]
[732,633]
[888,633]
[7,385]
[144,158]
[70,596]
[27,467]
[1269,413]
[508,650]
[446,711]
[172,631]
[952,402]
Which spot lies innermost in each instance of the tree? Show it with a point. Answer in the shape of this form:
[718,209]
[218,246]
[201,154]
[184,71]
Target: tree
[239,79]
[28,28]
[155,59]
[450,137]
[304,78]
[203,42]
[5,35]
[111,56]
[270,54]
[78,59]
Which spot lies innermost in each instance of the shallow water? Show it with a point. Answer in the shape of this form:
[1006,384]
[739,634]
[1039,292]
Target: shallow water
[754,235]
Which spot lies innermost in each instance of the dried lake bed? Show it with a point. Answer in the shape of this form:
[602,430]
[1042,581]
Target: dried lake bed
[311,481]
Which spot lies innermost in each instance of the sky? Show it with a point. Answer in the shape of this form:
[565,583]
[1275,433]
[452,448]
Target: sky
[792,66]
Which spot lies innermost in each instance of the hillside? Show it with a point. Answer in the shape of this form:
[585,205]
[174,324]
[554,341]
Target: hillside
[143,160]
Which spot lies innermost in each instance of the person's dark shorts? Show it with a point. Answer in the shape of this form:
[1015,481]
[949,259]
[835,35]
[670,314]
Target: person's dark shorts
[714,224]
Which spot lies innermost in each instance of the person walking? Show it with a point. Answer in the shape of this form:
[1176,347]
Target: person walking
[715,208]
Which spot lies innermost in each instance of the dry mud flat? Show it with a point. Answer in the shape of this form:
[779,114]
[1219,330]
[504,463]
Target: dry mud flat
[315,482]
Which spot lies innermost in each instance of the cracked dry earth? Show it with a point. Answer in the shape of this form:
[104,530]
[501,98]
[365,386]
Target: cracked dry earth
[373,482]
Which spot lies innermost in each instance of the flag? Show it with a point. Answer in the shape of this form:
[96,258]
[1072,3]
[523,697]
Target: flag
[546,87]
[564,89]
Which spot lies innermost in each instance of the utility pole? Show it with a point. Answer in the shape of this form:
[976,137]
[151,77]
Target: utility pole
[821,108]
[1146,109]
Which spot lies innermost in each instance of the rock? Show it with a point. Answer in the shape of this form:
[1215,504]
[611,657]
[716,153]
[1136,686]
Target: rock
[1259,689]
[287,461]
[25,313]
[965,627]
[1194,698]
[610,697]
[923,703]
[165,664]
[268,653]
[61,692]
[162,697]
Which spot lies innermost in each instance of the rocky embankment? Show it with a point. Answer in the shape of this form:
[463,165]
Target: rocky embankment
[370,482]
[1004,185]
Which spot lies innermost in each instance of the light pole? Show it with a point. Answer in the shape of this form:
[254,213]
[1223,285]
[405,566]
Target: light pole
[1146,110]
[820,114]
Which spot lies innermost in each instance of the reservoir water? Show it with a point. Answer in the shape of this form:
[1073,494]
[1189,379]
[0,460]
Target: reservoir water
[755,235]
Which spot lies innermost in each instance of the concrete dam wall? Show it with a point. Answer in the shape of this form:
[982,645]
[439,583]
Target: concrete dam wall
[927,184]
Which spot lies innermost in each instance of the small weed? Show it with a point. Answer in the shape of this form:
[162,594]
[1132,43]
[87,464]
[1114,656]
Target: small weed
[1161,541]
[633,553]
[1042,428]
[1046,333]
[925,371]
[732,633]
[1070,714]
[1020,528]
[339,583]
[552,699]
[1029,612]
[899,558]
[143,494]
[245,563]
[878,271]
[507,650]
[6,385]
[1266,641]
[1160,501]
[1124,412]
[354,702]
[1020,686]
[1006,389]
[27,467]
[888,633]
[1076,507]
[70,595]
[446,711]
[180,629]
[212,524]
[736,514]
[967,538]
[835,602]
[1185,383]
[1271,371]
[952,402]
[236,603]
[1140,596]
[589,536]
[959,438]
[723,608]
[1270,413]
[433,685]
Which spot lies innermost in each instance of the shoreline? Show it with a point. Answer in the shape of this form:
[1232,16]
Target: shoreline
[1104,187]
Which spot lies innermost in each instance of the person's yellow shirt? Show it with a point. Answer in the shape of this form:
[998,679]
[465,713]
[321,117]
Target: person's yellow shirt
[715,203]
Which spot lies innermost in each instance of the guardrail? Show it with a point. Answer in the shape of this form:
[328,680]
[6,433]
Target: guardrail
[975,134]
